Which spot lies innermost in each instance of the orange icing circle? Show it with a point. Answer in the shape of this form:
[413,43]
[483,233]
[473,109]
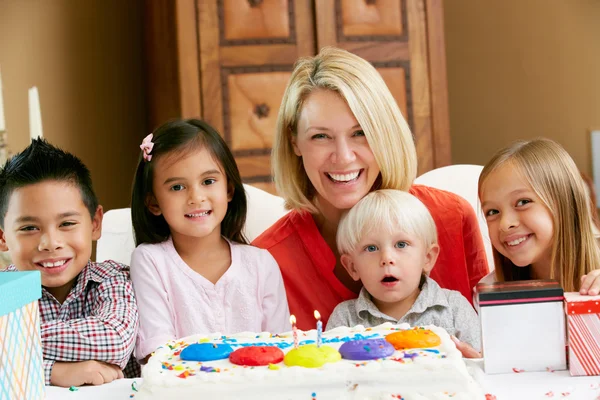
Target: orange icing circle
[417,338]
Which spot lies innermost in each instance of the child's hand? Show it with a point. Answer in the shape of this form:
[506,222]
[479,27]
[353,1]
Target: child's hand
[91,372]
[590,283]
[466,349]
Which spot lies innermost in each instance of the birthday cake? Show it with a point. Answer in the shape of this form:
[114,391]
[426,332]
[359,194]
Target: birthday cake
[384,362]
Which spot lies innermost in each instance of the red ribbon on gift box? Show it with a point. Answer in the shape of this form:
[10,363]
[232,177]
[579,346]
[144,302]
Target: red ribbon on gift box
[582,307]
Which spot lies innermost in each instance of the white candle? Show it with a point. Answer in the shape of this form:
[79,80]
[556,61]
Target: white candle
[2,122]
[35,115]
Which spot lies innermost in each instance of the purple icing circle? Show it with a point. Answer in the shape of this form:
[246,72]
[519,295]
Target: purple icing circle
[366,349]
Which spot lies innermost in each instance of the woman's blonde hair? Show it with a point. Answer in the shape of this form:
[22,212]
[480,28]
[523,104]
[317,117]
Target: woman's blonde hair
[374,107]
[387,211]
[554,177]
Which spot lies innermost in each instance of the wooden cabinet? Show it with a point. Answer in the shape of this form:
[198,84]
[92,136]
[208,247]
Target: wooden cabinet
[228,61]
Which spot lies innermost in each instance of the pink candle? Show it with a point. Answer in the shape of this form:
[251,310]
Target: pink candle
[294,330]
[319,328]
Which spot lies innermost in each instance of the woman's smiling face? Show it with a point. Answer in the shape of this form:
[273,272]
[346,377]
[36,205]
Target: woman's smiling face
[334,150]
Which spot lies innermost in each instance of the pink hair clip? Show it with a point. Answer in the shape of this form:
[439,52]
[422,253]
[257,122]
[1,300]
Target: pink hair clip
[146,147]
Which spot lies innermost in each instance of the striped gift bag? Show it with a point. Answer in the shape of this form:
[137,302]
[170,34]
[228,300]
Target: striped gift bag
[21,368]
[583,327]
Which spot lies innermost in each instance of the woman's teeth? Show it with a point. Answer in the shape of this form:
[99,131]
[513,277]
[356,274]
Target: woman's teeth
[344,177]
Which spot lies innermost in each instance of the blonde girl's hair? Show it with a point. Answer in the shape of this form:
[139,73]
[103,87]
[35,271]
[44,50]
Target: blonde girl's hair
[555,179]
[387,211]
[373,106]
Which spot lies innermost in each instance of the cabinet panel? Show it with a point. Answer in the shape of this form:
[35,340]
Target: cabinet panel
[365,18]
[395,79]
[376,31]
[228,62]
[256,170]
[247,52]
[253,103]
[250,19]
[257,167]
[392,35]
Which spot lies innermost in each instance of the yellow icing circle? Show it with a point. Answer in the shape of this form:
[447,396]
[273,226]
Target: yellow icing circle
[311,356]
[416,338]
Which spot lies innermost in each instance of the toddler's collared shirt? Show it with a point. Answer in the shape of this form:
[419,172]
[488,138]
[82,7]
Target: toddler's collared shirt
[434,306]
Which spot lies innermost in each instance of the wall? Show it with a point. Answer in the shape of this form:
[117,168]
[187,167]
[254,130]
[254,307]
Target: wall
[521,69]
[86,59]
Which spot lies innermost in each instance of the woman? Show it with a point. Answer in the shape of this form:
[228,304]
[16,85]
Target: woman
[340,135]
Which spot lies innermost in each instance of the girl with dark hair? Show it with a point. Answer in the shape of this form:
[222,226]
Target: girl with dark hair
[192,271]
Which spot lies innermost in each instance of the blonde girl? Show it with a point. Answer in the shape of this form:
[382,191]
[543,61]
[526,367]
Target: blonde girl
[539,217]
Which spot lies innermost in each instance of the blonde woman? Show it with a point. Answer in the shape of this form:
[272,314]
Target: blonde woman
[539,217]
[340,135]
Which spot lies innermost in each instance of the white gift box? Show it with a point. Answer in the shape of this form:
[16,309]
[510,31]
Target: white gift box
[522,326]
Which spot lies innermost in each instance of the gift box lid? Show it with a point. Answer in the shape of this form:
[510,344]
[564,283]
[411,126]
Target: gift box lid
[519,292]
[579,304]
[18,289]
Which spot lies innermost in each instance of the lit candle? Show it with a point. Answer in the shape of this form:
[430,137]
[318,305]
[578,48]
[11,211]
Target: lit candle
[319,328]
[2,122]
[294,330]
[35,115]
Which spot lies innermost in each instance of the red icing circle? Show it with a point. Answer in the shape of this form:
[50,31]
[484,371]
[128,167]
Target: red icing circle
[254,356]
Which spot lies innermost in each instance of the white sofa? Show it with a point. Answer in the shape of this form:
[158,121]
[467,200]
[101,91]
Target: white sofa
[462,179]
[264,209]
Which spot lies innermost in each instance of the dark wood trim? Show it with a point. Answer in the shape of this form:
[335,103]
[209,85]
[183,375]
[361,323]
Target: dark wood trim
[252,152]
[439,83]
[160,43]
[258,179]
[188,57]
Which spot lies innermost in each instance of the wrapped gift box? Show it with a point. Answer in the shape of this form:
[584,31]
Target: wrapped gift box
[583,327]
[21,368]
[522,326]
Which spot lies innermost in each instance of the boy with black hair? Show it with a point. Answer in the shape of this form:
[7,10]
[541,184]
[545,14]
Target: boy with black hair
[49,216]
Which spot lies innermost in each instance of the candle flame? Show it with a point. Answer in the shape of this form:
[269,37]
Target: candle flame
[292,320]
[317,315]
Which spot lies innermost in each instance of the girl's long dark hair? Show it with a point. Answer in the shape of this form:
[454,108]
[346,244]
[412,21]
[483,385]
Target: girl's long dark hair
[184,136]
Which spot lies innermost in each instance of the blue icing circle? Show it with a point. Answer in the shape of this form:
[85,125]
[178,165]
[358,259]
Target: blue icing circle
[205,352]
[366,349]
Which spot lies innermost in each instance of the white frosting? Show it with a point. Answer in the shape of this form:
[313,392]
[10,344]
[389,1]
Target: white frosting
[430,375]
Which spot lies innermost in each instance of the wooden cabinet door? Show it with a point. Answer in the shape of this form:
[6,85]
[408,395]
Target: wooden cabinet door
[247,52]
[228,61]
[393,35]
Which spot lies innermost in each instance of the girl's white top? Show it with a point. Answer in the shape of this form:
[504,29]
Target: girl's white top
[175,301]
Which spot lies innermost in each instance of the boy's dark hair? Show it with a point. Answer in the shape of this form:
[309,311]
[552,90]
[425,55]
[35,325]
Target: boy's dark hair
[185,136]
[41,161]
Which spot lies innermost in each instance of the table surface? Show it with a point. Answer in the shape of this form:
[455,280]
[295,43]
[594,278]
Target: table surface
[514,386]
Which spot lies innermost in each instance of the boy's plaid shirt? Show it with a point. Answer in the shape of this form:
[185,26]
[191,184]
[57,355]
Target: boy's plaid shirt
[97,321]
